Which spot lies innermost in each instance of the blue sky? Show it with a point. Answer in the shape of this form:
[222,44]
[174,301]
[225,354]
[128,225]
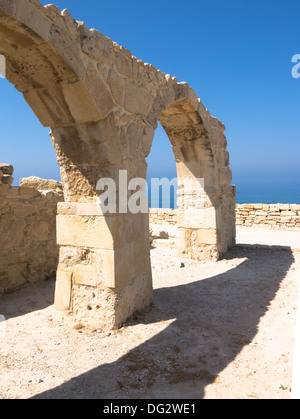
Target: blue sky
[236,54]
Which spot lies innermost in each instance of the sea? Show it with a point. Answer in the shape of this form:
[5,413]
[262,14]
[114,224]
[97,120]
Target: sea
[246,193]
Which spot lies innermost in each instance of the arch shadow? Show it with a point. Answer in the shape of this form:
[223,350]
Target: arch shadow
[215,319]
[40,297]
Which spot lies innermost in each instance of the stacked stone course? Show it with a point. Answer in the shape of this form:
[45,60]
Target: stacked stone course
[162,216]
[280,216]
[28,251]
[274,215]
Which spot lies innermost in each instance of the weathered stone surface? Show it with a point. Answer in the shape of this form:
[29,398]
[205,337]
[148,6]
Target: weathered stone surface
[28,251]
[40,184]
[6,169]
[63,290]
[103,106]
[283,216]
[6,172]
[247,215]
[96,232]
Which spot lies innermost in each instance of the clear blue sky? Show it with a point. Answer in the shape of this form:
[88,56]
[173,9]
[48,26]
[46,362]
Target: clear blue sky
[236,54]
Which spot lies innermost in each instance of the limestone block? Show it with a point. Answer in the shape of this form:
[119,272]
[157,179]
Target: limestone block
[118,267]
[100,93]
[117,86]
[284,207]
[86,275]
[91,232]
[133,137]
[81,105]
[206,236]
[183,238]
[97,309]
[288,213]
[202,218]
[124,64]
[97,45]
[40,184]
[107,309]
[137,99]
[49,106]
[30,14]
[147,140]
[63,290]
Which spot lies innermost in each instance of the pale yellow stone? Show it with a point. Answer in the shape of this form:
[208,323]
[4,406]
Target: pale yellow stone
[92,232]
[103,106]
[202,218]
[86,275]
[63,289]
[205,236]
[118,266]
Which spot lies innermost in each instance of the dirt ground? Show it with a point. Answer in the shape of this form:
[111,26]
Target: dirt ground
[220,330]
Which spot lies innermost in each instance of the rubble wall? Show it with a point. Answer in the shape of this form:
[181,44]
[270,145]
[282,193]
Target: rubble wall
[28,251]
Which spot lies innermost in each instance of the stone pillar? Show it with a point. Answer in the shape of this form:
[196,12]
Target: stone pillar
[198,211]
[104,272]
[227,236]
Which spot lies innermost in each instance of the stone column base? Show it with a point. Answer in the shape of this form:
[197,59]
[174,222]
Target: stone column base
[102,308]
[104,271]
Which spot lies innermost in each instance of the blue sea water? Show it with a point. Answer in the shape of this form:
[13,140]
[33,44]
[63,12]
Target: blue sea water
[250,193]
[268,193]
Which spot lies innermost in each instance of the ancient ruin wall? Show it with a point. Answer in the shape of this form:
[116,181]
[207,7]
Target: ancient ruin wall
[280,216]
[28,251]
[103,106]
[285,216]
[163,216]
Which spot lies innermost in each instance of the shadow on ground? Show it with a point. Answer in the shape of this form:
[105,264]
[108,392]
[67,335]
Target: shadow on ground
[41,296]
[215,319]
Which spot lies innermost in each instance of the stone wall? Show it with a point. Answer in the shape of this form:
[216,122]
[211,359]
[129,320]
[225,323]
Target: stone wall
[163,216]
[28,251]
[275,215]
[283,216]
[103,106]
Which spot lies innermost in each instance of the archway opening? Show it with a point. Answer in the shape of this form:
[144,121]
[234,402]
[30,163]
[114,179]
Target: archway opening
[28,208]
[162,165]
[25,143]
[162,190]
[197,184]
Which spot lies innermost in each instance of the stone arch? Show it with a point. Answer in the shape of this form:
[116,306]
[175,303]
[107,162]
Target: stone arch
[102,105]
[206,217]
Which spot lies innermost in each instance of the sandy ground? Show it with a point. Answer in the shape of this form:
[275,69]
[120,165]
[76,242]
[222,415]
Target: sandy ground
[220,330]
